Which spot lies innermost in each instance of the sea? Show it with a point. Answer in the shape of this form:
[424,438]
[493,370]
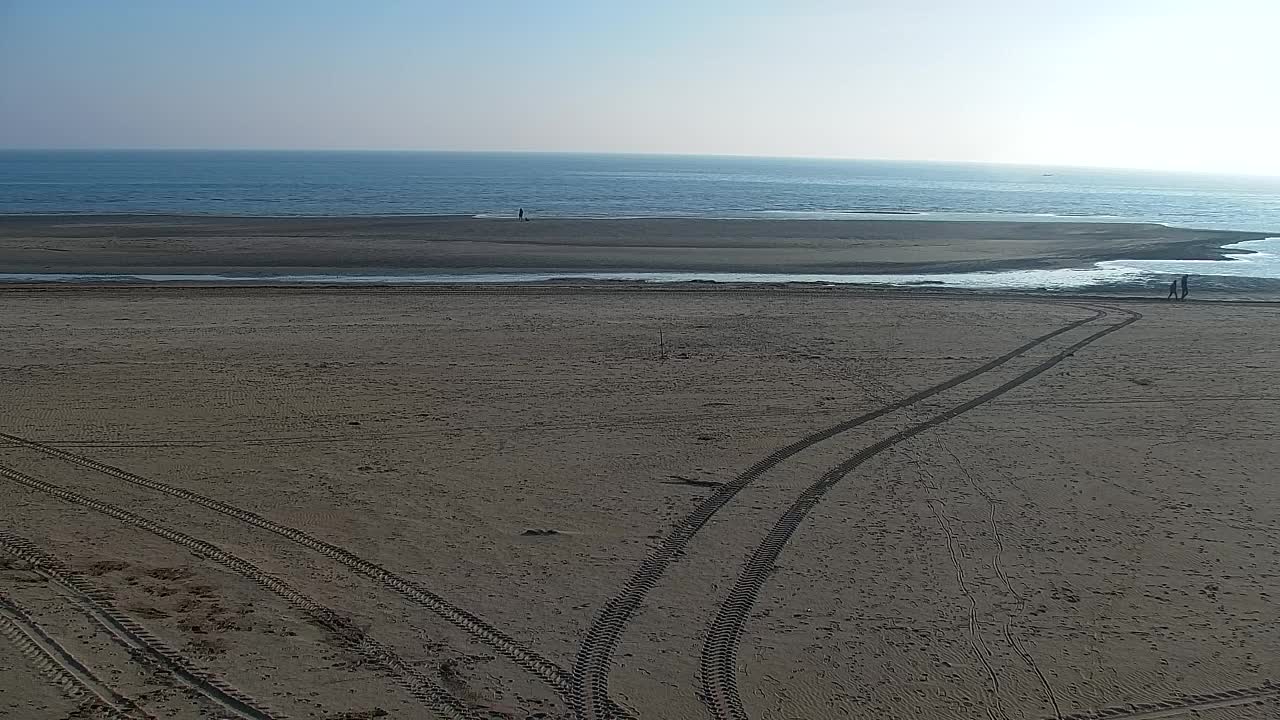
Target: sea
[293,183]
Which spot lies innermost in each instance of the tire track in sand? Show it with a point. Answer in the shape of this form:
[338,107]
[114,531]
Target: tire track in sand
[540,667]
[61,667]
[590,696]
[997,566]
[976,638]
[1185,705]
[724,635]
[130,634]
[421,687]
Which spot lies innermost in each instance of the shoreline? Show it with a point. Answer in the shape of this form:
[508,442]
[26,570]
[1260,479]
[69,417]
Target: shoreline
[861,215]
[1260,292]
[462,245]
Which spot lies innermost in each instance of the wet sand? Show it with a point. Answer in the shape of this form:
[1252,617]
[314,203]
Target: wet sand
[432,503]
[166,245]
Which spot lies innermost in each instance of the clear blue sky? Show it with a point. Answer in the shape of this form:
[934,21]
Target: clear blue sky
[1171,84]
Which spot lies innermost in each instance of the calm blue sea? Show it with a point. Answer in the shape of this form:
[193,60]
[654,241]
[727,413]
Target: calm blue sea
[433,183]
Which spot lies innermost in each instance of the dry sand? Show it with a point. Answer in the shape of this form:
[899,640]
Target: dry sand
[157,244]
[331,504]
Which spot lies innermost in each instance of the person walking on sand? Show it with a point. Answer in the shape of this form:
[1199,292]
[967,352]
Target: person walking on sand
[1173,291]
[521,213]
[1184,287]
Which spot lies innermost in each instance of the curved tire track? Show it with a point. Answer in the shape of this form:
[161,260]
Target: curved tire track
[976,639]
[130,634]
[1183,705]
[997,567]
[414,681]
[724,635]
[590,692]
[542,668]
[60,666]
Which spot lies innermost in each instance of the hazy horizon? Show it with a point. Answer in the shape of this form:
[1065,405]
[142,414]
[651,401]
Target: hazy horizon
[1132,84]
[605,153]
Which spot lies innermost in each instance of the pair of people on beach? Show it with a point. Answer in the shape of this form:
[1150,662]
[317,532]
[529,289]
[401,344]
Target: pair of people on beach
[1173,289]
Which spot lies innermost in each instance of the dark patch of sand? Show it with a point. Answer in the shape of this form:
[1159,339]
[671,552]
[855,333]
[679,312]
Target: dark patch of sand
[242,245]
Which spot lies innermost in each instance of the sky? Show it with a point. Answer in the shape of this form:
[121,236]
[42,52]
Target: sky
[1161,84]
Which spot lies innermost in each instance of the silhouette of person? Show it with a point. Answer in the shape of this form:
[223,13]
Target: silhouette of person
[1184,287]
[1173,291]
[521,213]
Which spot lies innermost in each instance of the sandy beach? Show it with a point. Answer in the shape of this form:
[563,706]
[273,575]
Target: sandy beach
[159,244]
[570,502]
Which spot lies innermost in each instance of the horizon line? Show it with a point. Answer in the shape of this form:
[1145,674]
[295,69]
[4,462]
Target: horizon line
[833,158]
